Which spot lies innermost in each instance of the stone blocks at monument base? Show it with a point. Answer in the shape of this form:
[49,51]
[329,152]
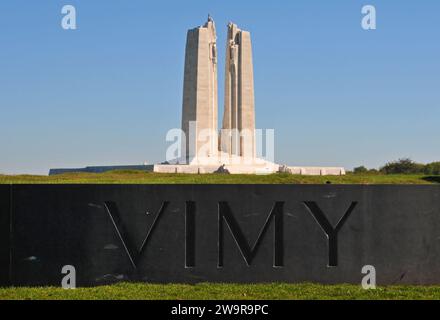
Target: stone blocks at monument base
[267,168]
[209,169]
[219,233]
[316,171]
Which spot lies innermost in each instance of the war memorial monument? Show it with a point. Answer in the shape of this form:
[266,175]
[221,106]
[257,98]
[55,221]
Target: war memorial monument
[234,150]
[204,148]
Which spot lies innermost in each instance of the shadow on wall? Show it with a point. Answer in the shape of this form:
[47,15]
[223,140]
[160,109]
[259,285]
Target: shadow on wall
[432,179]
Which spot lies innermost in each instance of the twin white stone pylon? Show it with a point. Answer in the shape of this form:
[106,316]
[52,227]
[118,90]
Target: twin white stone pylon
[200,96]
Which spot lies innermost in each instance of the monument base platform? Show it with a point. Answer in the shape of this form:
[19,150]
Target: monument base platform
[215,165]
[249,169]
[255,166]
[316,171]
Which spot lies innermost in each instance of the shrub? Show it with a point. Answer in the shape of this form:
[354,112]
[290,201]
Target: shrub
[360,170]
[432,168]
[403,166]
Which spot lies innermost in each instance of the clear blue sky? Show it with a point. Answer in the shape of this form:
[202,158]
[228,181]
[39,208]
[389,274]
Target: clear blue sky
[108,92]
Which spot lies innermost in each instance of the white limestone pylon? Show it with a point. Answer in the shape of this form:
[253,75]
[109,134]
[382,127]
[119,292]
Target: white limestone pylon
[200,93]
[238,131]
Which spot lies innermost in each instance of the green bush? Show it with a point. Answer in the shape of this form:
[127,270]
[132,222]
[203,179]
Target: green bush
[432,168]
[403,166]
[360,170]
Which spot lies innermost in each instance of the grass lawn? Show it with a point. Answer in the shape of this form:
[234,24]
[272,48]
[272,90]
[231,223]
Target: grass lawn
[139,177]
[224,292]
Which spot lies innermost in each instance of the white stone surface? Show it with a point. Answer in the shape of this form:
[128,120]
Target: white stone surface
[239,101]
[200,92]
[316,171]
[238,165]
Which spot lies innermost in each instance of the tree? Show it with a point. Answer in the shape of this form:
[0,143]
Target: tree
[360,170]
[402,166]
[432,168]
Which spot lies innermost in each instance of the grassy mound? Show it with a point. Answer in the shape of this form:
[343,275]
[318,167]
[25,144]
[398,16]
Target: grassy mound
[140,177]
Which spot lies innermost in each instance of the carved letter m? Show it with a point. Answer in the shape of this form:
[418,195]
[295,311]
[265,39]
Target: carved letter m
[248,252]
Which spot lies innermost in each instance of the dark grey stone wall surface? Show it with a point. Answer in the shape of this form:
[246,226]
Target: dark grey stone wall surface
[5,197]
[222,233]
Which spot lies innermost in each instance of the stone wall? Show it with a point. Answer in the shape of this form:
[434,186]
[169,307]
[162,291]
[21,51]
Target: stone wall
[219,233]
